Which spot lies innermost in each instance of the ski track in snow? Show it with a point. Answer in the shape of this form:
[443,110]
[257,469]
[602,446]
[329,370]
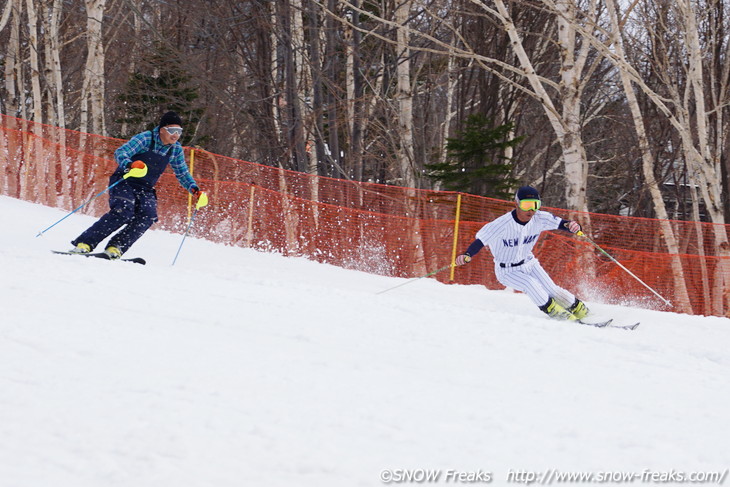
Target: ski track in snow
[236,367]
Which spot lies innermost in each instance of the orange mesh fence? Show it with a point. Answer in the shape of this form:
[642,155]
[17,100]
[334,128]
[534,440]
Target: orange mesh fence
[387,230]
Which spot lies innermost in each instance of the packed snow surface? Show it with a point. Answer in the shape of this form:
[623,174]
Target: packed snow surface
[241,368]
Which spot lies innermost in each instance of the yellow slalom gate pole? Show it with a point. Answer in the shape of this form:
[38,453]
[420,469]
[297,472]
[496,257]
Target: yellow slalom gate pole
[249,229]
[456,237]
[190,196]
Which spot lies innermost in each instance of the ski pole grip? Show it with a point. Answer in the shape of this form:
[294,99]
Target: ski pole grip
[202,200]
[136,172]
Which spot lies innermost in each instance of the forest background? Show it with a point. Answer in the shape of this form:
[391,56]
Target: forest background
[607,106]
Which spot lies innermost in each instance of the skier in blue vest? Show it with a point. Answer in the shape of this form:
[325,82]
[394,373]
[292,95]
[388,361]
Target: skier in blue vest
[133,202]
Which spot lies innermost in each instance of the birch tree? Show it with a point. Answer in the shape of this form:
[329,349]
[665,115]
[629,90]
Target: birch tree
[567,123]
[35,71]
[304,95]
[14,84]
[682,302]
[681,91]
[56,112]
[404,95]
[92,89]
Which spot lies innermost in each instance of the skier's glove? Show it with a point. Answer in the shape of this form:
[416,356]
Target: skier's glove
[463,259]
[195,191]
[574,227]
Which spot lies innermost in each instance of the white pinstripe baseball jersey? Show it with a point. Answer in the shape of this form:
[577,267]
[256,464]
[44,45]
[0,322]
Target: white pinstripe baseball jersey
[511,241]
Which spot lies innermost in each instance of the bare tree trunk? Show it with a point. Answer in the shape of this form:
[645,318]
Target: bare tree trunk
[317,152]
[571,69]
[449,113]
[294,124]
[567,127]
[35,73]
[681,301]
[707,293]
[703,163]
[304,85]
[13,63]
[304,98]
[330,62]
[49,107]
[6,14]
[275,70]
[92,90]
[137,22]
[355,93]
[404,95]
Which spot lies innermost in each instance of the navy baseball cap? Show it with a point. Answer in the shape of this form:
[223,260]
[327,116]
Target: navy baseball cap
[527,193]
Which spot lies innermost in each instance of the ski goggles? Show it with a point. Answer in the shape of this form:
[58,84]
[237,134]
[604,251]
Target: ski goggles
[529,204]
[174,130]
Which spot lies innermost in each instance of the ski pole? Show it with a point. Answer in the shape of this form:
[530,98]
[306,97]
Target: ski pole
[415,279]
[202,201]
[581,234]
[135,173]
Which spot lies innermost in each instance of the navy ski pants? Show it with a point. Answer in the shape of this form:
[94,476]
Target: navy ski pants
[132,206]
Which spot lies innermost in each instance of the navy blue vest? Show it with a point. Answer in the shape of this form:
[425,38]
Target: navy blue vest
[156,165]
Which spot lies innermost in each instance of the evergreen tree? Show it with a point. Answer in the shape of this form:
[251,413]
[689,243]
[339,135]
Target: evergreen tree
[475,159]
[148,96]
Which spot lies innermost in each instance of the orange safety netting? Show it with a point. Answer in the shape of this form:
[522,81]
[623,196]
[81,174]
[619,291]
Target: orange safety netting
[375,228]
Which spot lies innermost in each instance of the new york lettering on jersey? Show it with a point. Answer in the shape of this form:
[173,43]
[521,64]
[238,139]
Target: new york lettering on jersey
[511,241]
[514,242]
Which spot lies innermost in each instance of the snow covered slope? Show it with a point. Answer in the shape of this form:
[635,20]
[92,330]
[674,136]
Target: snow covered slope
[240,368]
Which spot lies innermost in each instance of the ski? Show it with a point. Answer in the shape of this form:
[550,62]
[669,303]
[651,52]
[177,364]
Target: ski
[597,324]
[609,324]
[626,327]
[102,255]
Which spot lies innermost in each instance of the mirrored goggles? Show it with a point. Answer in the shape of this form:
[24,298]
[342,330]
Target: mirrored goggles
[529,204]
[174,130]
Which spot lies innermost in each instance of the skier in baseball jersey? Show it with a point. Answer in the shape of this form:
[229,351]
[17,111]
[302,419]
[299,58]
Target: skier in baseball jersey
[511,239]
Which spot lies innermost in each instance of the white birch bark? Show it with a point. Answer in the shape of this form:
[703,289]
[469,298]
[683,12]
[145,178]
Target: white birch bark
[704,164]
[303,71]
[681,299]
[48,93]
[404,95]
[566,125]
[405,128]
[275,69]
[92,90]
[6,14]
[349,79]
[452,78]
[35,72]
[137,24]
[571,70]
[13,63]
[55,81]
[56,63]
